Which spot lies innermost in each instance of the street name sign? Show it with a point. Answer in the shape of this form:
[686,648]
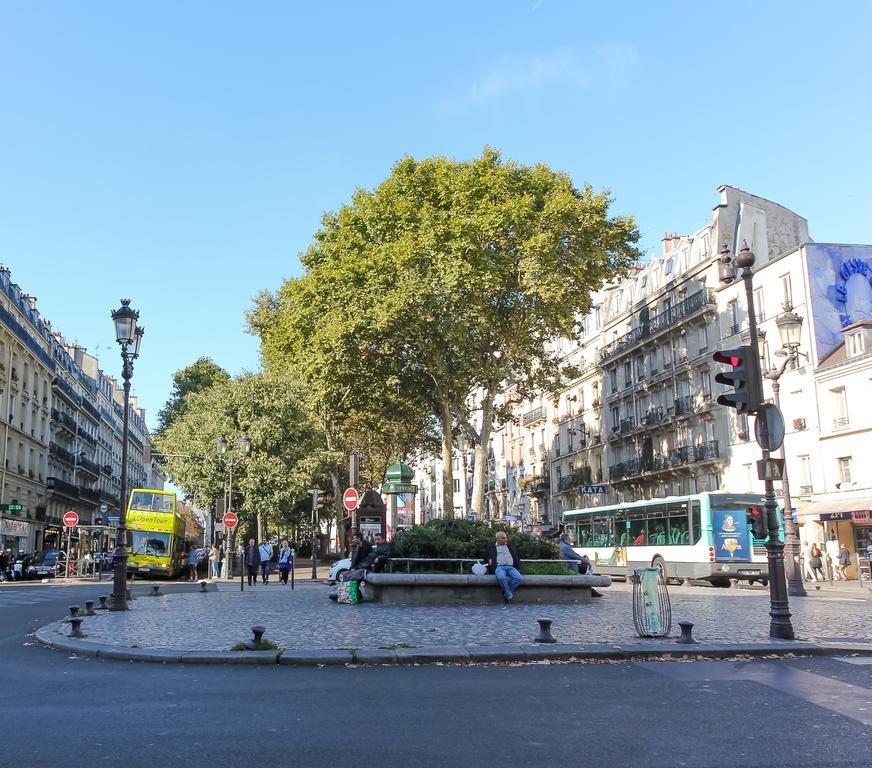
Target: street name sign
[71,519]
[230,520]
[350,499]
[399,488]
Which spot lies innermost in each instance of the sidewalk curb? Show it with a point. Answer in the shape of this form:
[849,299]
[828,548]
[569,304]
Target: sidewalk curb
[50,636]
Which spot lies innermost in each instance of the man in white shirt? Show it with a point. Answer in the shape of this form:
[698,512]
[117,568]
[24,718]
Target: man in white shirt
[265,550]
[833,556]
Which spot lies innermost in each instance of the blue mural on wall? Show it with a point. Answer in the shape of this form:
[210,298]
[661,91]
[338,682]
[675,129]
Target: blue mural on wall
[841,291]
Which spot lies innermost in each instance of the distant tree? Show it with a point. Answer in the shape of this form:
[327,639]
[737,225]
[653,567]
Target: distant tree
[197,377]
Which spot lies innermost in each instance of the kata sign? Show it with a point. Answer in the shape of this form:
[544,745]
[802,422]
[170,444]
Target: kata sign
[350,499]
[71,519]
[230,520]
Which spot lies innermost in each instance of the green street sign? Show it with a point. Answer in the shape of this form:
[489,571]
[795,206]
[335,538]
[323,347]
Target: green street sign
[11,507]
[399,488]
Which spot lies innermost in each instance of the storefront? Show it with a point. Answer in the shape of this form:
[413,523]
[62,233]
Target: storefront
[16,535]
[849,521]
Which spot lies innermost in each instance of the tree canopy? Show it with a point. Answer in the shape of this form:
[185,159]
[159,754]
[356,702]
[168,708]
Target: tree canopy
[434,289]
[197,377]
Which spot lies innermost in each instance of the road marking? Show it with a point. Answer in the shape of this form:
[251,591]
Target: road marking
[863,661]
[843,698]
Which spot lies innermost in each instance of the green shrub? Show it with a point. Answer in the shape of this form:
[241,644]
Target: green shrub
[456,538]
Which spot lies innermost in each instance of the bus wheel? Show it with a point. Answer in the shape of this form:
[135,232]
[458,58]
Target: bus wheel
[659,562]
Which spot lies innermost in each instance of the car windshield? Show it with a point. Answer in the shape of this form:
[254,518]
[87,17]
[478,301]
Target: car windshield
[46,557]
[147,543]
[151,502]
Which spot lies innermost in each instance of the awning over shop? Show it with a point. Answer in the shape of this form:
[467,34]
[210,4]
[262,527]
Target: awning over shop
[858,509]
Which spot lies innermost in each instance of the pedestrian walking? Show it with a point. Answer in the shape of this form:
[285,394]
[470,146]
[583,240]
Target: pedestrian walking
[832,549]
[816,563]
[4,563]
[806,558]
[286,560]
[844,562]
[251,558]
[193,559]
[215,561]
[265,550]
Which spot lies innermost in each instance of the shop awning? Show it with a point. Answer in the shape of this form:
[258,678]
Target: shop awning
[859,507]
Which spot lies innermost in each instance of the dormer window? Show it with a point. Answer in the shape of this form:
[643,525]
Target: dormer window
[855,344]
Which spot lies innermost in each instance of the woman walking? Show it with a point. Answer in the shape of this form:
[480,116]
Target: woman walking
[215,561]
[286,559]
[816,563]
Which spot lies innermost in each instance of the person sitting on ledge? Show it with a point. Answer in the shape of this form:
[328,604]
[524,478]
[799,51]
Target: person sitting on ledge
[503,562]
[578,563]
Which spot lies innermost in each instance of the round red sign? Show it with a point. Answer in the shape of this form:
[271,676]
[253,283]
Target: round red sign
[71,519]
[350,499]
[230,519]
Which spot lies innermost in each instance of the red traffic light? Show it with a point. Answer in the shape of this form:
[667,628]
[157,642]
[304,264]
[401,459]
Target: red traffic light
[726,357]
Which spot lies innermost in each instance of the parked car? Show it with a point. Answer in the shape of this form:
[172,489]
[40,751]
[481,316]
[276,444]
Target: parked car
[103,560]
[47,564]
[338,568]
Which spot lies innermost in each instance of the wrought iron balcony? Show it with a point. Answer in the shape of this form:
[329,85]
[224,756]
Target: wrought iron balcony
[91,467]
[654,416]
[62,488]
[66,390]
[89,494]
[627,425]
[683,405]
[706,451]
[658,323]
[840,422]
[566,484]
[61,454]
[538,484]
[64,420]
[90,409]
[86,438]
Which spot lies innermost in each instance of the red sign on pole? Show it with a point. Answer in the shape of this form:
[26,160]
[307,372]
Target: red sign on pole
[230,520]
[71,519]
[350,499]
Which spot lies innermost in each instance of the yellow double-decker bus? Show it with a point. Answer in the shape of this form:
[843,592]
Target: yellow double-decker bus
[155,533]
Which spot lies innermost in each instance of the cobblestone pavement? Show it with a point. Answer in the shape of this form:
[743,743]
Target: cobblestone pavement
[306,619]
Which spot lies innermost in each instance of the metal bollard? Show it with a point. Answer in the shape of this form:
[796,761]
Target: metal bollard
[258,631]
[74,611]
[544,635]
[76,627]
[104,606]
[155,590]
[89,608]
[203,586]
[686,633]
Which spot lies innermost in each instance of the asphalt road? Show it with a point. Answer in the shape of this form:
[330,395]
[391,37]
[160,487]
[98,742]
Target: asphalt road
[56,710]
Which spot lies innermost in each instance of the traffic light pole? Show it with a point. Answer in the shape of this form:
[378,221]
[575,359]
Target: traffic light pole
[780,626]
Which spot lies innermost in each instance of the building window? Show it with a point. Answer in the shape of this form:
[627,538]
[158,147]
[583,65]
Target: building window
[749,478]
[786,290]
[614,379]
[840,408]
[733,309]
[616,418]
[456,485]
[703,339]
[845,469]
[805,474]
[628,374]
[855,344]
[759,307]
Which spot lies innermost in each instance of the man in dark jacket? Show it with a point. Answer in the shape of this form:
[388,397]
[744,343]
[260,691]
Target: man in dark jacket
[503,562]
[252,562]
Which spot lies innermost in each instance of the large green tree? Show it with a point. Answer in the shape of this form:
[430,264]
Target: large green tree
[439,286]
[197,377]
[286,454]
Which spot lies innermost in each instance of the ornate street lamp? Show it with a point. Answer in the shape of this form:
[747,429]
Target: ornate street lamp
[790,328]
[127,334]
[780,625]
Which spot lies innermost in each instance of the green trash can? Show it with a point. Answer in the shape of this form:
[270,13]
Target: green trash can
[652,611]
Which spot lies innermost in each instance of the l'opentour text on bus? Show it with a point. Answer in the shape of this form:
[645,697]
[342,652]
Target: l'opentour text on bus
[702,536]
[155,533]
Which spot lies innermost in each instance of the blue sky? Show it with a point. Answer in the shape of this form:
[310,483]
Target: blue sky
[181,154]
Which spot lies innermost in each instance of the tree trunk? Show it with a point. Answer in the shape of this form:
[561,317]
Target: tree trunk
[260,526]
[447,458]
[480,470]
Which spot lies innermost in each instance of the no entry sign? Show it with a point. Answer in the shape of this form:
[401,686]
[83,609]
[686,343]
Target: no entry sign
[71,519]
[350,499]
[230,519]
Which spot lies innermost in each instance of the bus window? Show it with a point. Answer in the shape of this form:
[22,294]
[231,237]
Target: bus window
[602,533]
[658,523]
[637,533]
[679,523]
[695,532]
[582,534]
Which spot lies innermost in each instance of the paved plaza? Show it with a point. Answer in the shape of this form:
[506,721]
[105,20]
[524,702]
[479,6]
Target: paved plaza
[304,619]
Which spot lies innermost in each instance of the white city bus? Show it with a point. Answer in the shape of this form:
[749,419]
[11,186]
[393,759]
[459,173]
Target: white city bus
[701,536]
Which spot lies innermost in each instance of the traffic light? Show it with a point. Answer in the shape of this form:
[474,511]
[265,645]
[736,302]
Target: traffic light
[744,378]
[759,523]
[358,470]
